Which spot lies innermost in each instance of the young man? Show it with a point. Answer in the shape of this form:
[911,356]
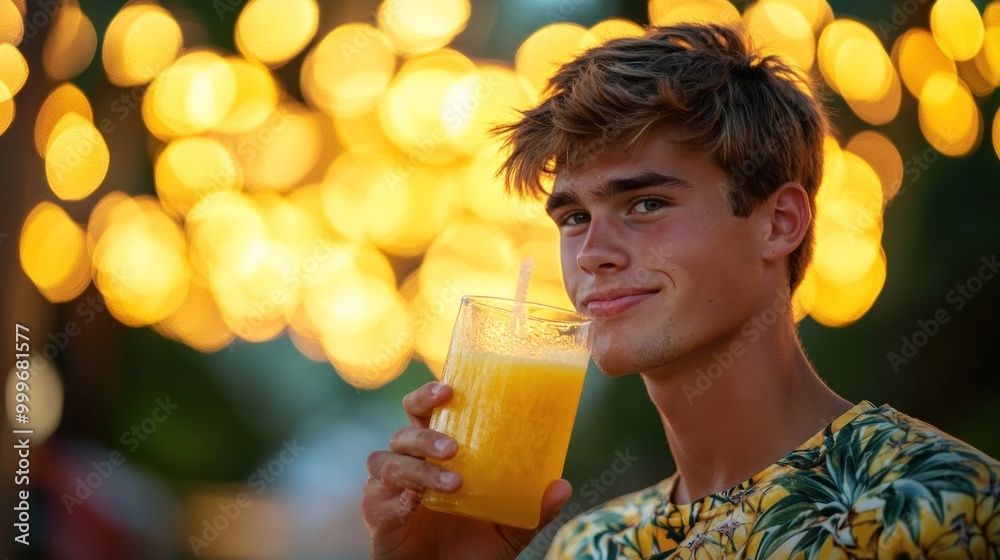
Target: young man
[686,168]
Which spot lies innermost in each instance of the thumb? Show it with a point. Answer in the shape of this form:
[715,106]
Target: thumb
[556,494]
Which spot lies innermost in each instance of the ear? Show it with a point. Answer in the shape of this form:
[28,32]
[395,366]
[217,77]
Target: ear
[787,219]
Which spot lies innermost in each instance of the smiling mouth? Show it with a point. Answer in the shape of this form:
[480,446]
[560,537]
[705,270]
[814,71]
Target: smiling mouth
[609,307]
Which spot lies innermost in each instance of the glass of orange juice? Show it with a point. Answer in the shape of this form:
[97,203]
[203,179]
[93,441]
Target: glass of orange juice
[517,371]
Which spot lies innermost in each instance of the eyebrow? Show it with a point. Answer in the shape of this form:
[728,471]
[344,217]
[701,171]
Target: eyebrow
[614,187]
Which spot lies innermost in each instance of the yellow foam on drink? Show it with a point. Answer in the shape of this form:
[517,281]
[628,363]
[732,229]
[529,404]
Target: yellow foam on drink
[512,417]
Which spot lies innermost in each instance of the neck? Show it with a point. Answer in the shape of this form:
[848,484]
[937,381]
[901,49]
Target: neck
[732,409]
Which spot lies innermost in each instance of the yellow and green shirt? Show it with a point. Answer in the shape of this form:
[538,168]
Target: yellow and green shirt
[875,483]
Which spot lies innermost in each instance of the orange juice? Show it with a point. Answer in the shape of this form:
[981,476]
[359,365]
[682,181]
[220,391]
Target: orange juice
[512,416]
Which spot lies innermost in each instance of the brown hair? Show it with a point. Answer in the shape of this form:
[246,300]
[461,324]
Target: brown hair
[757,116]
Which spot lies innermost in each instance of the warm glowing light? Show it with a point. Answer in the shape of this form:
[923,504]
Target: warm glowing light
[483,194]
[400,210]
[372,357]
[882,110]
[996,133]
[348,70]
[881,154]
[54,253]
[197,322]
[853,61]
[218,227]
[948,115]
[421,26]
[77,158]
[547,49]
[780,28]
[11,23]
[609,29]
[817,12]
[46,393]
[70,46]
[7,108]
[13,71]
[957,28]
[919,57]
[840,304]
[274,31]
[189,169]
[481,100]
[278,153]
[140,265]
[193,95]
[141,40]
[256,96]
[422,127]
[65,99]
[989,56]
[670,12]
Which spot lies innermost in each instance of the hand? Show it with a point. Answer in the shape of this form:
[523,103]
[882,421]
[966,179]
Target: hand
[401,528]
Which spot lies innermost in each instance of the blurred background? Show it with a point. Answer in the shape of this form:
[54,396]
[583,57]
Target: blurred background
[239,232]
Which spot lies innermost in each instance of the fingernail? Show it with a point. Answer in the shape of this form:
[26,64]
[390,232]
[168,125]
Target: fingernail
[436,389]
[442,444]
[446,478]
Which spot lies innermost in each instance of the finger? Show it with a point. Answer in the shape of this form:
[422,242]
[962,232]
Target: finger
[553,499]
[421,403]
[401,472]
[556,494]
[422,442]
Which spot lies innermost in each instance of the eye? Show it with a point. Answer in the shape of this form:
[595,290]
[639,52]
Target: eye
[574,219]
[646,205]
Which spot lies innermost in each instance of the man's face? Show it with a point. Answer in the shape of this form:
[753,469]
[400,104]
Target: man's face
[651,249]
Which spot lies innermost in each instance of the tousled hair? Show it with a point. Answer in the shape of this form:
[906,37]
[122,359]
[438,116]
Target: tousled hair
[757,116]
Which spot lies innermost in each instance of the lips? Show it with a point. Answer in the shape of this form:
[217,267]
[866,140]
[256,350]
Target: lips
[609,303]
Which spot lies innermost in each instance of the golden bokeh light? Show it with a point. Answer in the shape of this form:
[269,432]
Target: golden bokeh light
[848,268]
[46,405]
[64,99]
[282,150]
[400,209]
[421,129]
[948,115]
[7,108]
[256,96]
[957,28]
[919,57]
[609,29]
[881,110]
[548,48]
[70,46]
[274,31]
[11,23]
[76,159]
[374,356]
[54,253]
[996,133]
[481,100]
[198,322]
[13,71]
[141,40]
[989,55]
[853,62]
[484,196]
[781,29]
[189,169]
[881,154]
[671,12]
[218,226]
[348,70]
[191,96]
[140,264]
[421,26]
[817,12]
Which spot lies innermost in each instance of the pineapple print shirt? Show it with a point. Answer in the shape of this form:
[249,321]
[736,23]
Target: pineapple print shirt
[875,483]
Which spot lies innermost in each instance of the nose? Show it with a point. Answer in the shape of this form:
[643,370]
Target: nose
[602,250]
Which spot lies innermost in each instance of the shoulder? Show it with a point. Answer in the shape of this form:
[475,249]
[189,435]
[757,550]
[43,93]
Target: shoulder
[887,485]
[586,534]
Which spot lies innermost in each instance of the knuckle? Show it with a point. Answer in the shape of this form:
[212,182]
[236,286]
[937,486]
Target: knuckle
[398,436]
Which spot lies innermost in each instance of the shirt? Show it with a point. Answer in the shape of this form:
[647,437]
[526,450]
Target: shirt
[875,483]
